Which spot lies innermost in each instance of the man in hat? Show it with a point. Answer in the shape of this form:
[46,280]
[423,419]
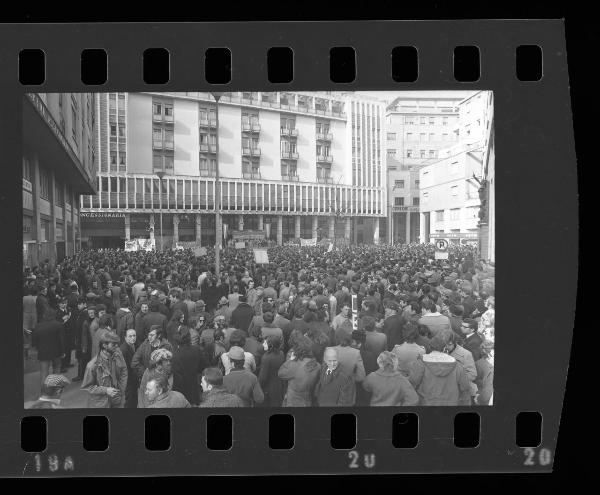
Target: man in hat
[52,389]
[223,309]
[106,375]
[241,381]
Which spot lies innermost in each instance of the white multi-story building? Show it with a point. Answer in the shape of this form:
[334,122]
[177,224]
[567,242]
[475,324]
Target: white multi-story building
[449,187]
[307,164]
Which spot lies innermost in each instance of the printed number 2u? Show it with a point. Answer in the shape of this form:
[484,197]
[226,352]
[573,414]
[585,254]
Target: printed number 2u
[543,458]
[354,456]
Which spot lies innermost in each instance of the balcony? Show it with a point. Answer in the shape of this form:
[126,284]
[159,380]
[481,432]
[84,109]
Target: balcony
[324,136]
[208,172]
[324,158]
[289,132]
[289,155]
[207,148]
[157,144]
[290,178]
[168,119]
[208,123]
[251,151]
[169,145]
[251,175]
[324,180]
[247,127]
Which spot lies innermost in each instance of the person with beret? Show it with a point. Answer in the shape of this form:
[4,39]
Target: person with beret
[106,375]
[52,389]
[241,381]
[160,364]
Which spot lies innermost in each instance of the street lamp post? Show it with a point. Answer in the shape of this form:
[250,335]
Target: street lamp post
[218,224]
[160,175]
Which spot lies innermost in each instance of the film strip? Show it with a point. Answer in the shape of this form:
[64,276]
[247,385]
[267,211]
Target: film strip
[523,63]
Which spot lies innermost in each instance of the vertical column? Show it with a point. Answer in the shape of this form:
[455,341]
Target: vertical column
[297,228]
[355,240]
[240,222]
[65,223]
[376,230]
[315,226]
[152,226]
[198,228]
[127,226]
[74,199]
[37,224]
[331,225]
[175,228]
[261,219]
[279,230]
[348,228]
[408,227]
[53,215]
[422,239]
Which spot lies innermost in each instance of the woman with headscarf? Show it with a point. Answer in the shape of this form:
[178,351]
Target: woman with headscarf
[301,371]
[387,385]
[160,363]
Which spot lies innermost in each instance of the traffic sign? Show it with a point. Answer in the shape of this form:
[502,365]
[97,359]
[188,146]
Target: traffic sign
[441,245]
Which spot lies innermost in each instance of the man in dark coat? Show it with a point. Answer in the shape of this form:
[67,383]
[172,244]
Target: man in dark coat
[177,303]
[154,317]
[41,303]
[471,339]
[334,387]
[392,325]
[128,349]
[241,317]
[48,338]
[187,363]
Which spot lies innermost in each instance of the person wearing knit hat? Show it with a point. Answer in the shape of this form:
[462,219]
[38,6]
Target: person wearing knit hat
[160,364]
[52,389]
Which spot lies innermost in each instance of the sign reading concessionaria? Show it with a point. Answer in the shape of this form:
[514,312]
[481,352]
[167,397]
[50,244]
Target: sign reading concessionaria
[102,215]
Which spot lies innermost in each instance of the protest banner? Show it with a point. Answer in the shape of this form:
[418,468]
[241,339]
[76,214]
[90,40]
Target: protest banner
[131,245]
[308,242]
[261,256]
[240,245]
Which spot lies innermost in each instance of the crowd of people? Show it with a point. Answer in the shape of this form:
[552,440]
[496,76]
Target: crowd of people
[377,325]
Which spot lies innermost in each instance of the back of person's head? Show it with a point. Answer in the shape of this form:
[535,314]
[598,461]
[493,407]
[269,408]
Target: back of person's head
[218,335]
[302,347]
[387,361]
[309,317]
[300,311]
[185,338]
[410,332]
[266,306]
[343,336]
[105,321]
[237,338]
[124,302]
[429,306]
[268,317]
[154,306]
[457,309]
[100,307]
[213,376]
[368,323]
[359,336]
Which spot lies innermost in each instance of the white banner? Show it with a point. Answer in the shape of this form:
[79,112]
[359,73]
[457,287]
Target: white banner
[178,247]
[131,245]
[308,242]
[330,248]
[261,256]
[147,244]
[240,245]
[268,230]
[441,255]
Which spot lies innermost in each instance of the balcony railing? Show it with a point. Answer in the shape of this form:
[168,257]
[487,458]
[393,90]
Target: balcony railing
[325,158]
[251,175]
[290,178]
[289,155]
[289,132]
[169,145]
[324,136]
[325,180]
[168,119]
[208,172]
[246,127]
[251,151]
[208,122]
[208,148]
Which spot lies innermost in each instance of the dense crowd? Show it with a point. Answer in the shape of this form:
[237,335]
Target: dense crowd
[376,325]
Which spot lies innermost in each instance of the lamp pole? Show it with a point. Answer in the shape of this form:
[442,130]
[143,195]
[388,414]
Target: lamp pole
[160,175]
[218,224]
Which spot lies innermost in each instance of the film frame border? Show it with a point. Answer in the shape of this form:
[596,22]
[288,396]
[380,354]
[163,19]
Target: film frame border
[516,118]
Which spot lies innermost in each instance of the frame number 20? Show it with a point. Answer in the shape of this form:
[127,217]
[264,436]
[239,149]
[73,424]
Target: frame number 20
[543,457]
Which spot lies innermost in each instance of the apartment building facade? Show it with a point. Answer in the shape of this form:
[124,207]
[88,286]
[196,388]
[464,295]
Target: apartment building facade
[292,165]
[59,165]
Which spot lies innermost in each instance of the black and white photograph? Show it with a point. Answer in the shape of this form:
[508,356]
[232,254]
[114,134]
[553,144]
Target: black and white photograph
[258,249]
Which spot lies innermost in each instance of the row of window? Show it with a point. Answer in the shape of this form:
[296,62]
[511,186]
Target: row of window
[431,136]
[145,193]
[45,186]
[399,183]
[412,153]
[471,212]
[400,201]
[431,120]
